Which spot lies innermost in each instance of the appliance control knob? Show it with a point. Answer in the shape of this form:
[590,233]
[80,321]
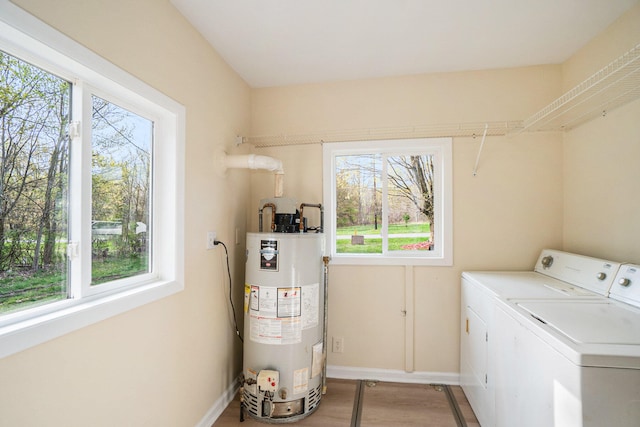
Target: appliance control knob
[547,261]
[601,276]
[624,282]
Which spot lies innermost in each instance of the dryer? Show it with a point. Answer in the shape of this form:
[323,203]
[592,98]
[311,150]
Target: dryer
[570,363]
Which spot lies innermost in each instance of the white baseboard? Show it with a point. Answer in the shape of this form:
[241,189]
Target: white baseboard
[219,405]
[391,375]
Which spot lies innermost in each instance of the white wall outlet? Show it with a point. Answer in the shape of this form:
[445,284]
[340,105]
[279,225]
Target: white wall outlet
[211,239]
[338,345]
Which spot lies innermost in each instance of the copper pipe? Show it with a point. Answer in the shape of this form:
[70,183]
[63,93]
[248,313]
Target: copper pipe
[273,214]
[319,206]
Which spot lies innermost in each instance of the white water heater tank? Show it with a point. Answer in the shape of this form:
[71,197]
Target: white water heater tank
[283,326]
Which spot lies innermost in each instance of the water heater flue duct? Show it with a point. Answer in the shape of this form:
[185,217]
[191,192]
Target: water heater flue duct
[253,161]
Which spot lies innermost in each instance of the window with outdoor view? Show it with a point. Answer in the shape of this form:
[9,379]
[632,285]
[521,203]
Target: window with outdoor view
[34,169]
[390,201]
[91,180]
[121,144]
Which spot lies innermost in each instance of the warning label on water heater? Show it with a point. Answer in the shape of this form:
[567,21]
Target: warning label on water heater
[269,255]
[289,302]
[279,315]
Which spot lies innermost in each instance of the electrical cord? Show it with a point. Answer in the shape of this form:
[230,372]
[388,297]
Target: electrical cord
[233,308]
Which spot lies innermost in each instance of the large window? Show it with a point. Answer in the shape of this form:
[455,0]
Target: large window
[91,170]
[389,201]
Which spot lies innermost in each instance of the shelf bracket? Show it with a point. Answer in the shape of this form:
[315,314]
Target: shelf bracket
[484,135]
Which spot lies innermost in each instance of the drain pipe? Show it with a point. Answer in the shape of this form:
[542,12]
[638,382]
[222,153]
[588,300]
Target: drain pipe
[325,260]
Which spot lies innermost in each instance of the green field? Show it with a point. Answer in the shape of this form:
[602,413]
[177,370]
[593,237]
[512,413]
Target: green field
[21,289]
[374,245]
[393,229]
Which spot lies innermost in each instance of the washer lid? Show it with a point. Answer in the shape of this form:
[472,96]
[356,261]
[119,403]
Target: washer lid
[589,321]
[526,284]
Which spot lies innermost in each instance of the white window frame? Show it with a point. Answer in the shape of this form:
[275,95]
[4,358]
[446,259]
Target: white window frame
[27,38]
[441,149]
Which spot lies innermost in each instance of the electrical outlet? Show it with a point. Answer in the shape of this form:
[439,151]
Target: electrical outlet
[338,345]
[211,239]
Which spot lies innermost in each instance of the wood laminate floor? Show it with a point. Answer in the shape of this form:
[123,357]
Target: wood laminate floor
[353,403]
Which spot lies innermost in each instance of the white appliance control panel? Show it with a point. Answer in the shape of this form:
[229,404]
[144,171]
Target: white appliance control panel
[589,273]
[626,285]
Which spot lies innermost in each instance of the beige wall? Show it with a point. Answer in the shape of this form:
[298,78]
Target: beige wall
[602,181]
[166,363]
[502,217]
[602,158]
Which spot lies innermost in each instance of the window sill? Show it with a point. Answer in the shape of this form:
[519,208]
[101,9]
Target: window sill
[71,316]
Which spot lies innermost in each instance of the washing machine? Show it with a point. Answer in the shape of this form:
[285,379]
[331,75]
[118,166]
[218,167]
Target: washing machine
[570,362]
[556,275]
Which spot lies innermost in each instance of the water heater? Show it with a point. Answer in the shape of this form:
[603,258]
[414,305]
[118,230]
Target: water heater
[284,319]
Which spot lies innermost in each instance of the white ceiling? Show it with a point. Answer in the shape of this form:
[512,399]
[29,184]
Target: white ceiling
[284,42]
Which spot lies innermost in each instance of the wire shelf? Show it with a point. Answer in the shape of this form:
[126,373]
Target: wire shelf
[612,86]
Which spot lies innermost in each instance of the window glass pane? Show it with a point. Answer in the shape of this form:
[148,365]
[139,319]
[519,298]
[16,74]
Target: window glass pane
[358,203]
[410,202]
[121,176]
[34,118]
